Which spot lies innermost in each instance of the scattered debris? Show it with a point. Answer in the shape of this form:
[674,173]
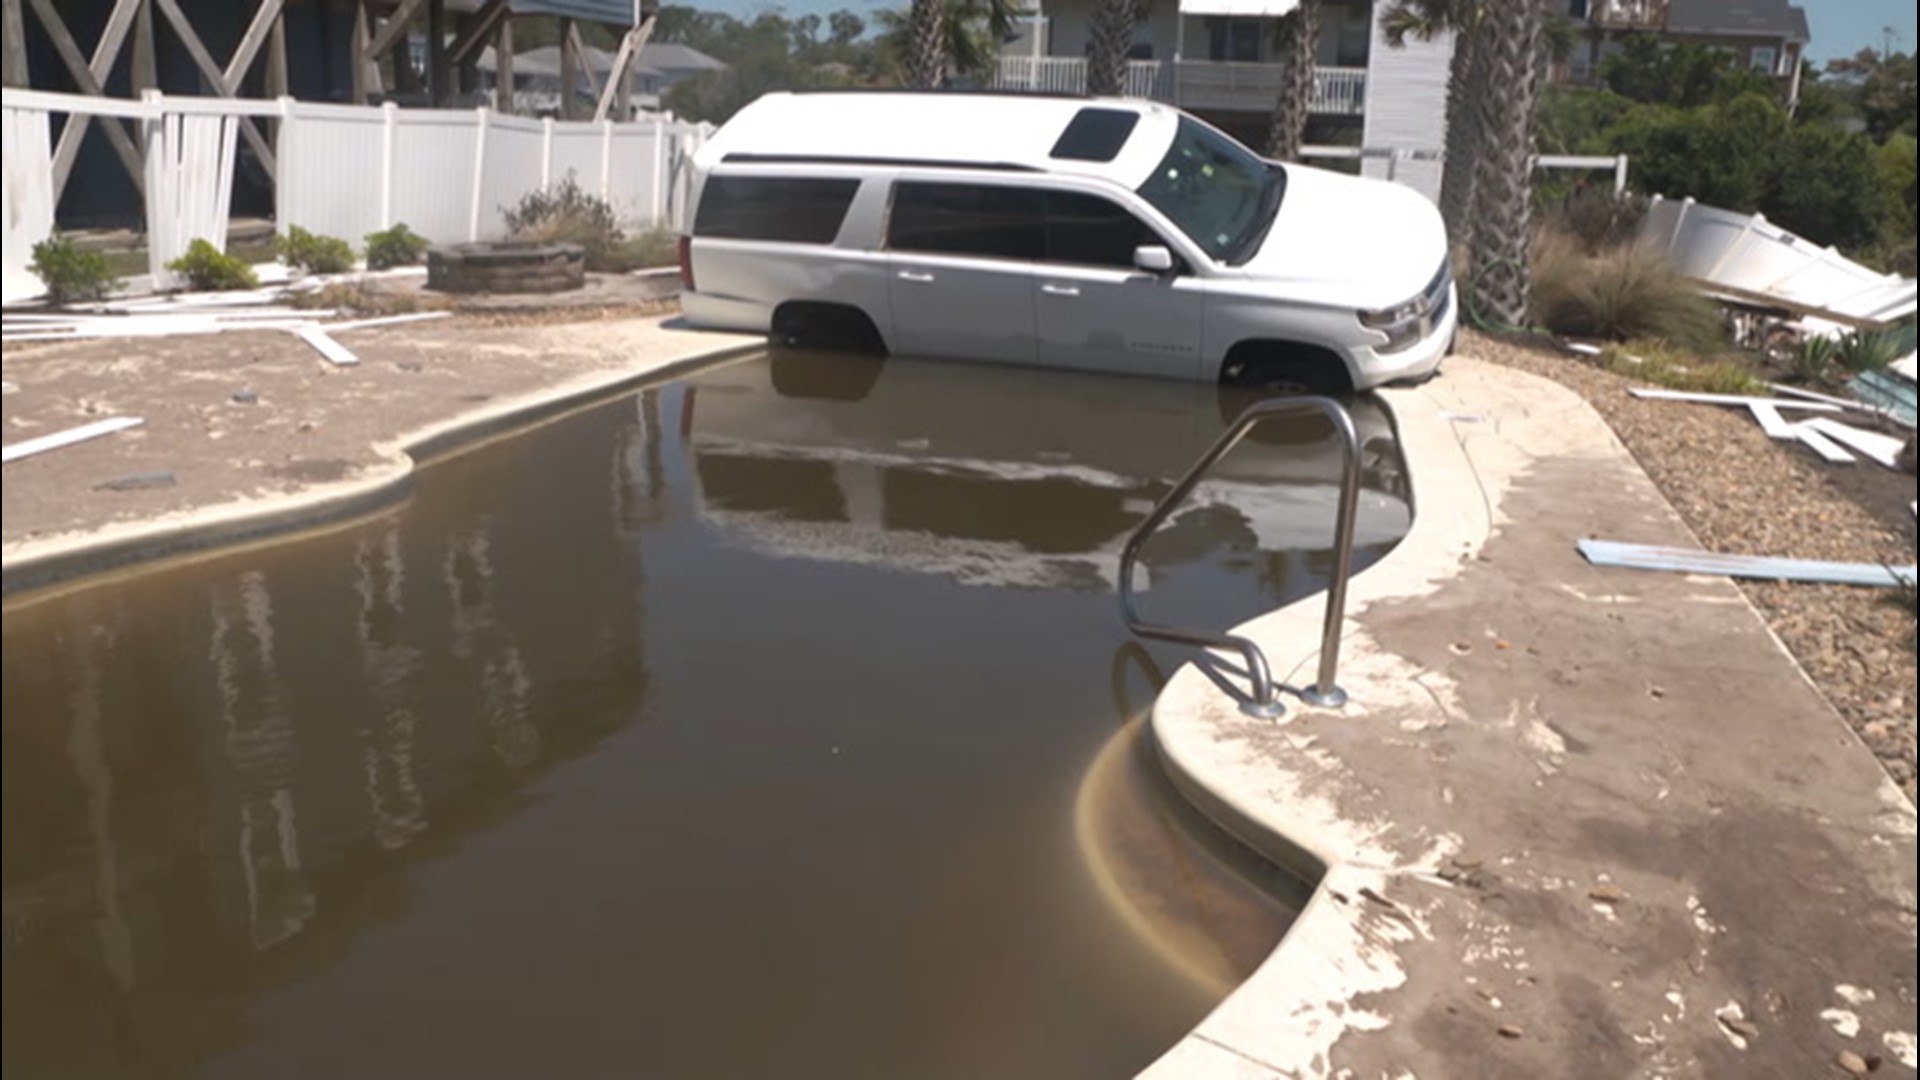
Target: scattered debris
[1734,1024]
[1852,1063]
[1728,399]
[1607,893]
[1816,440]
[1695,561]
[246,396]
[1884,449]
[68,437]
[335,352]
[386,320]
[1510,1031]
[141,481]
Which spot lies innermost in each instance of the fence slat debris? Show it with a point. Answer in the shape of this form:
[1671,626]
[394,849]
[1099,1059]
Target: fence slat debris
[334,351]
[58,439]
[1884,449]
[1766,568]
[1813,439]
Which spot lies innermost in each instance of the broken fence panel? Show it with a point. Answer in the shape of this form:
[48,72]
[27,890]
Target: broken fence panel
[326,346]
[68,437]
[1766,568]
[1817,442]
[1729,399]
[1771,421]
[385,320]
[1884,449]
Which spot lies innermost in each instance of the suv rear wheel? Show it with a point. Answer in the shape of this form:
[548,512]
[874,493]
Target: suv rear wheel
[807,325]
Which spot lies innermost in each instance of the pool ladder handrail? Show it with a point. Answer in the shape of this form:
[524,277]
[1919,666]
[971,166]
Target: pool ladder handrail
[1265,700]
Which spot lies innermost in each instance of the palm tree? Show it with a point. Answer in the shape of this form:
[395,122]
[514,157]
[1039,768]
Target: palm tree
[927,51]
[1466,79]
[965,43]
[1114,22]
[1509,41]
[1299,44]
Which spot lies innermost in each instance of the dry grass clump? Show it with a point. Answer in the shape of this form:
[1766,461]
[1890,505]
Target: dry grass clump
[1621,291]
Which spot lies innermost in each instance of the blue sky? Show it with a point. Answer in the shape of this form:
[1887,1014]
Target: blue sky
[1844,27]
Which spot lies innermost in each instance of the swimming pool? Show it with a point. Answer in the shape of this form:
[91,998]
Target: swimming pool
[769,721]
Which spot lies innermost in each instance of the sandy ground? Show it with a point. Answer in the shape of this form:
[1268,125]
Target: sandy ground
[1741,492]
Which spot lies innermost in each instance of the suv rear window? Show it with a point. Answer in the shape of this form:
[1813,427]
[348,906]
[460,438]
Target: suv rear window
[798,210]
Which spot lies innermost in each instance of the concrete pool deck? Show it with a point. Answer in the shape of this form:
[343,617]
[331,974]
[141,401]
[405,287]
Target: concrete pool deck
[1576,822]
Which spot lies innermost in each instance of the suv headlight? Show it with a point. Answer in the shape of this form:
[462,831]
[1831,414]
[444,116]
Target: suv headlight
[1405,324]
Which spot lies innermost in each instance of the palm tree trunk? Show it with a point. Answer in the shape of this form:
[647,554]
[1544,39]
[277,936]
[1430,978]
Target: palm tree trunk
[1299,43]
[1503,182]
[1466,85]
[1112,38]
[927,44]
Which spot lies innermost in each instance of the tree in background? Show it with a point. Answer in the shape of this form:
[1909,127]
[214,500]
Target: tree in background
[969,41]
[1111,40]
[1510,42]
[1299,45]
[767,54]
[1880,87]
[928,48]
[1426,20]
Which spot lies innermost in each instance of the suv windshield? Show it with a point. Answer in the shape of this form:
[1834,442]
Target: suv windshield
[1216,191]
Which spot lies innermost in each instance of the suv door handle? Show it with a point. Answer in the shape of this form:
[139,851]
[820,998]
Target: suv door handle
[916,276]
[1060,290]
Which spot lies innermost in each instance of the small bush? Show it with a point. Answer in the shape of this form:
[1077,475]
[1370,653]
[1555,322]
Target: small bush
[360,298]
[398,246]
[70,272]
[1660,364]
[208,269]
[1816,361]
[658,246]
[1598,218]
[565,214]
[1622,292]
[312,252]
[1867,350]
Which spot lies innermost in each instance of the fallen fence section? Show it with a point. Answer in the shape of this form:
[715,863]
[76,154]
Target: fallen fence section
[67,438]
[1766,568]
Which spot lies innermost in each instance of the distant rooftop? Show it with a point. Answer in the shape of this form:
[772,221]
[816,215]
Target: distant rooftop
[1759,18]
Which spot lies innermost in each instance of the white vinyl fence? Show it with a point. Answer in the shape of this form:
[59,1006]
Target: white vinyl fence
[346,170]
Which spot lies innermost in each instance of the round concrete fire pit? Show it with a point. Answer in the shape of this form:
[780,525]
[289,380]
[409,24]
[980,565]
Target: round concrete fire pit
[506,267]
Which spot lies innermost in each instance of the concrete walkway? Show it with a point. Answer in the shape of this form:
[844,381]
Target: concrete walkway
[1577,822]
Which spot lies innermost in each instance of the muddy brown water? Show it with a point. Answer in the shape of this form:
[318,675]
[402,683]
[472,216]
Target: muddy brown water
[774,722]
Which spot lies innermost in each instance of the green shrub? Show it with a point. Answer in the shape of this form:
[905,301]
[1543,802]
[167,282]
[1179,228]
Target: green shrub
[312,252]
[658,246]
[1867,350]
[70,272]
[1623,291]
[1816,361]
[565,214]
[1662,365]
[208,269]
[398,246]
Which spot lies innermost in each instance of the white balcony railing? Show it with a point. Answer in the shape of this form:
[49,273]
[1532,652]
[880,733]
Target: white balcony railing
[1199,84]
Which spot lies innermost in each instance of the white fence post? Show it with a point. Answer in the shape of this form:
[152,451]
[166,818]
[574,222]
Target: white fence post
[659,171]
[479,172]
[389,126]
[606,160]
[159,189]
[1620,175]
[546,153]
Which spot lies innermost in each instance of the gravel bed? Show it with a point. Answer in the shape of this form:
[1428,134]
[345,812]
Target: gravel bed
[1742,492]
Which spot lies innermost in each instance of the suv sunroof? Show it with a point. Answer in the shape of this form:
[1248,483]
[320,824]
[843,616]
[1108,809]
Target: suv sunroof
[1095,135]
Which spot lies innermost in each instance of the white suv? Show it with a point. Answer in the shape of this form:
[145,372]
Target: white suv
[1105,235]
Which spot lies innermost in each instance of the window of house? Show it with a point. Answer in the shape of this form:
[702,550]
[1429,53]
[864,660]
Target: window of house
[1236,40]
[981,220]
[794,209]
[1764,58]
[1091,231]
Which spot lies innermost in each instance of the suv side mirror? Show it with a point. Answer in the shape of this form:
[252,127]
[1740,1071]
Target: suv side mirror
[1153,258]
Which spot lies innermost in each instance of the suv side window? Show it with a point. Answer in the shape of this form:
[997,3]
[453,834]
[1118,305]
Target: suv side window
[794,209]
[1092,231]
[967,219]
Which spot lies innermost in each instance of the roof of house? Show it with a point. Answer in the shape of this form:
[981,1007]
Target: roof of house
[1754,18]
[610,12]
[1020,131]
[655,60]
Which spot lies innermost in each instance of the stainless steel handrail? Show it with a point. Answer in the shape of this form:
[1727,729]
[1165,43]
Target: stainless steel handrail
[1265,700]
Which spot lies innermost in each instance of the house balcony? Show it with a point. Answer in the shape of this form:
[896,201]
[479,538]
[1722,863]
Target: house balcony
[1191,84]
[1628,14]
